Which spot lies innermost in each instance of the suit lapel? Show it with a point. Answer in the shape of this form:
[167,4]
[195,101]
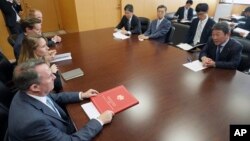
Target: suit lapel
[225,50]
[42,107]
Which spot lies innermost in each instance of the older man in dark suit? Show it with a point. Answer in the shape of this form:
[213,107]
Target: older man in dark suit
[185,12]
[201,27]
[129,21]
[221,51]
[34,113]
[158,28]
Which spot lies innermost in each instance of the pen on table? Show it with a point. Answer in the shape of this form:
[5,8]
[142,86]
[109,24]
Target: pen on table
[189,59]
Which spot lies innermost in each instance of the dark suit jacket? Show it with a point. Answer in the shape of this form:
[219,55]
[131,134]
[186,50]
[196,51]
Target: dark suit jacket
[229,57]
[135,24]
[245,26]
[31,120]
[160,33]
[9,13]
[206,33]
[180,13]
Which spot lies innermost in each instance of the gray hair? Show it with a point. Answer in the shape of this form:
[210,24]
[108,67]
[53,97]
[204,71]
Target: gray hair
[25,74]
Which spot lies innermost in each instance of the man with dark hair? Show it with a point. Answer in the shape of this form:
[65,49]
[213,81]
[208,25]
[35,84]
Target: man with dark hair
[158,28]
[34,113]
[29,26]
[201,27]
[129,21]
[221,51]
[185,12]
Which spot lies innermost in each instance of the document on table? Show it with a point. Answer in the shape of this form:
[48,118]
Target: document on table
[188,47]
[90,110]
[119,35]
[62,57]
[195,66]
[240,30]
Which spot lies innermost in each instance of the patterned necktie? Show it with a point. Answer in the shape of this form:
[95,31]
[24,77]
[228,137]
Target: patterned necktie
[52,106]
[198,33]
[217,53]
[129,25]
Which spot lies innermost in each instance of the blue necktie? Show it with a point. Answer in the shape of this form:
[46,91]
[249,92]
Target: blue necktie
[52,106]
[217,53]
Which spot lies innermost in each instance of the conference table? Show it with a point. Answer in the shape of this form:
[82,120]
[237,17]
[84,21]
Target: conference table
[175,103]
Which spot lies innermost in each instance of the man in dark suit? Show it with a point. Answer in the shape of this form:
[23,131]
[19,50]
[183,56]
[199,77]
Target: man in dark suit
[185,12]
[158,28]
[129,21]
[221,51]
[246,25]
[201,27]
[34,113]
[11,16]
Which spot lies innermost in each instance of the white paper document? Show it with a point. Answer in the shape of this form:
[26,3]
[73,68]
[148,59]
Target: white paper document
[240,30]
[90,109]
[119,35]
[61,57]
[195,66]
[185,46]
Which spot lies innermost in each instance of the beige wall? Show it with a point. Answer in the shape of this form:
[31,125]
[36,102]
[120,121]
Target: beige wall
[4,45]
[68,16]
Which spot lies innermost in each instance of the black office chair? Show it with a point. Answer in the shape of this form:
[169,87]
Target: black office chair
[3,120]
[245,56]
[6,73]
[12,39]
[144,23]
[169,36]
[180,33]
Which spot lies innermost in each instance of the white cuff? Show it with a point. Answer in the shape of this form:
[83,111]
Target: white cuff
[129,32]
[80,96]
[99,121]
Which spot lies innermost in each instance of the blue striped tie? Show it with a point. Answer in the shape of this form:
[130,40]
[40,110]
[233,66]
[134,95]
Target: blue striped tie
[52,106]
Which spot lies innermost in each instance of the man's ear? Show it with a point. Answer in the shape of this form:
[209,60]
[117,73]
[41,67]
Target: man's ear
[35,88]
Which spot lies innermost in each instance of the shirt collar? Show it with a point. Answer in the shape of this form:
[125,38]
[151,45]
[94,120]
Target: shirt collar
[205,20]
[39,98]
[223,44]
[160,20]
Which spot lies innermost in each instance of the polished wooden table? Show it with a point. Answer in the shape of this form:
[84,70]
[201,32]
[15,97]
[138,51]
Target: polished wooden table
[176,104]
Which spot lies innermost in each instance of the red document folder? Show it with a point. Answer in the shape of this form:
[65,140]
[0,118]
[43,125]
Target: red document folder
[116,100]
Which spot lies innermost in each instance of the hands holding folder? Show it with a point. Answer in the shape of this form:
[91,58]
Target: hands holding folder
[105,117]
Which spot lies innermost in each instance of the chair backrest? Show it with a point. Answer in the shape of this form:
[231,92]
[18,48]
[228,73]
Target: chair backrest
[6,69]
[12,39]
[245,56]
[169,36]
[6,94]
[170,16]
[180,33]
[144,23]
[3,120]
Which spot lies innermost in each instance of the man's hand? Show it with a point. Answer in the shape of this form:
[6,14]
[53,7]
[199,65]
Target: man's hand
[89,93]
[142,36]
[207,62]
[56,39]
[106,117]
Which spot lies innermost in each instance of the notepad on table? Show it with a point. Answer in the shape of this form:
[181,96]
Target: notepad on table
[116,100]
[72,74]
[61,57]
[240,30]
[195,66]
[119,35]
[188,47]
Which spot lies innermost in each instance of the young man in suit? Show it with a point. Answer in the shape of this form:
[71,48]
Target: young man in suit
[221,51]
[246,26]
[201,27]
[158,28]
[29,26]
[129,21]
[34,113]
[185,12]
[10,12]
